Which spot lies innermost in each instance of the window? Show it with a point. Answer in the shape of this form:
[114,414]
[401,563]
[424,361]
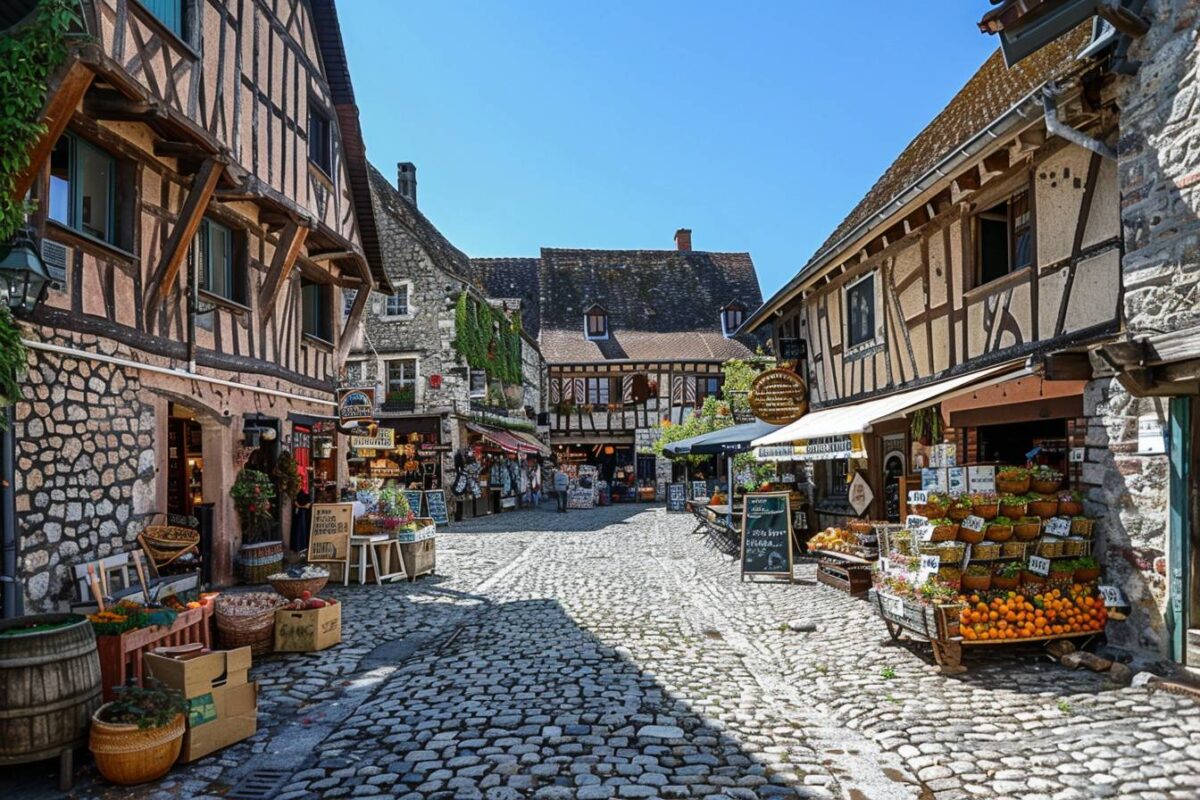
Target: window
[219,264]
[401,383]
[596,323]
[598,391]
[860,311]
[1005,233]
[478,383]
[83,188]
[320,140]
[316,302]
[707,387]
[168,12]
[731,318]
[397,304]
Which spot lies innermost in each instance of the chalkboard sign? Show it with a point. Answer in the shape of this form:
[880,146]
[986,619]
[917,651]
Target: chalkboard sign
[792,349]
[413,496]
[676,497]
[700,490]
[767,535]
[435,506]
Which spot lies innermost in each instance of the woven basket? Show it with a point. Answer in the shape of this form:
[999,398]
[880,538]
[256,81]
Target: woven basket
[1012,485]
[128,755]
[293,588]
[257,562]
[1045,486]
[248,626]
[1082,527]
[1013,549]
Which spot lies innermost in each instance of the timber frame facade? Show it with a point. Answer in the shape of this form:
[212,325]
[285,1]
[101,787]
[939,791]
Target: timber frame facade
[202,282]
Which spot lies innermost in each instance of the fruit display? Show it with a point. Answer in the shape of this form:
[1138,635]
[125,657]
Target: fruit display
[861,542]
[1020,615]
[306,602]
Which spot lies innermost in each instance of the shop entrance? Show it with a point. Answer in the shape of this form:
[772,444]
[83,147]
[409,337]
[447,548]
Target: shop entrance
[185,460]
[1009,443]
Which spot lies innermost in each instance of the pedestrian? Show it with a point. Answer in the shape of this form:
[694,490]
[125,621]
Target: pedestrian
[561,482]
[535,485]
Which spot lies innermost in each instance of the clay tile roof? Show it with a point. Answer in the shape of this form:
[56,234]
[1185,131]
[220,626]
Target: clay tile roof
[513,279]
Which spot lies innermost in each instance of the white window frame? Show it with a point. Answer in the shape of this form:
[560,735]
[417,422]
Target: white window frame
[877,337]
[607,328]
[407,286]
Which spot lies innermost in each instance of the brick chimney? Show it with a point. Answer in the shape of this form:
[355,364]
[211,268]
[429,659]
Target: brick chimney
[406,180]
[683,239]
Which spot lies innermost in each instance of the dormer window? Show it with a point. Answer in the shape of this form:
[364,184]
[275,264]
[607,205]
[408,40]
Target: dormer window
[732,316]
[595,323]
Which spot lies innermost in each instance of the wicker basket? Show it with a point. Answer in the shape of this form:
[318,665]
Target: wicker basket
[1082,527]
[1013,509]
[1050,548]
[985,551]
[999,532]
[1027,531]
[1075,546]
[944,533]
[1012,549]
[128,755]
[248,620]
[1012,485]
[293,588]
[1044,508]
[257,562]
[1044,486]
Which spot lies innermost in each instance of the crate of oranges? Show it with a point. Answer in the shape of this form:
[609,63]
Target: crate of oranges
[1071,610]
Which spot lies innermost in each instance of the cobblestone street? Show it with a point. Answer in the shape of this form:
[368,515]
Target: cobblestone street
[609,653]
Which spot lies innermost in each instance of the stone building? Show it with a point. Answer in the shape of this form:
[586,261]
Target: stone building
[197,233]
[623,351]
[429,394]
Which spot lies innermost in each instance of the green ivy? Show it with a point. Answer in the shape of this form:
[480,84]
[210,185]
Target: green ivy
[488,339]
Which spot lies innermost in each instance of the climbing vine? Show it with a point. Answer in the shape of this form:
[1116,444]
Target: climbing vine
[488,339]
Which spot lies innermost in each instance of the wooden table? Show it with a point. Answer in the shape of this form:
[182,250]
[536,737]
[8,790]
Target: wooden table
[379,549]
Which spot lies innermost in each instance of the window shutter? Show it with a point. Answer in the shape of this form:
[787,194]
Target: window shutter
[677,389]
[555,391]
[202,257]
[627,388]
[580,390]
[689,388]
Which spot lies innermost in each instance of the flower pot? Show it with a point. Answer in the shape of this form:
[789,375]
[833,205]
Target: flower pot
[1027,531]
[1031,578]
[976,583]
[1012,509]
[128,755]
[1012,485]
[999,533]
[986,510]
[1044,485]
[944,533]
[1069,508]
[1086,574]
[1043,508]
[958,513]
[1003,582]
[969,536]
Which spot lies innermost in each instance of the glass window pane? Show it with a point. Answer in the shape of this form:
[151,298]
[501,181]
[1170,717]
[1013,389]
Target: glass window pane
[219,262]
[169,13]
[94,171]
[59,202]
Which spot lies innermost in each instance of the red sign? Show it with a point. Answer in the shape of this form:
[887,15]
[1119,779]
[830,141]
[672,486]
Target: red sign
[435,381]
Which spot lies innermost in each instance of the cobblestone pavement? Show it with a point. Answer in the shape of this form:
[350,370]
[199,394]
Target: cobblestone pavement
[608,653]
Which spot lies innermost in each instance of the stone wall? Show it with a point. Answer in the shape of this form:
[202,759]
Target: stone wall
[85,469]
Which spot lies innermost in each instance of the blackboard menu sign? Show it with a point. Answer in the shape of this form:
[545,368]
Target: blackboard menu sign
[413,496]
[767,535]
[793,349]
[435,506]
[676,497]
[700,490]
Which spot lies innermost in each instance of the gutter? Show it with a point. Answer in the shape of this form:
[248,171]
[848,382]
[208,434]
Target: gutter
[1056,127]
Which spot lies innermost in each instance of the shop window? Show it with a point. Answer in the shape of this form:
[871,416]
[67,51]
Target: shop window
[860,311]
[598,391]
[707,386]
[397,304]
[169,13]
[478,384]
[596,323]
[320,138]
[83,188]
[220,261]
[401,384]
[316,303]
[1005,238]
[731,318]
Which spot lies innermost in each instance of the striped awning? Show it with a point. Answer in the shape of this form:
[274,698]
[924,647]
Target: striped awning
[532,441]
[505,440]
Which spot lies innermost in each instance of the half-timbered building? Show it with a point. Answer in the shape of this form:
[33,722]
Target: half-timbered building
[202,197]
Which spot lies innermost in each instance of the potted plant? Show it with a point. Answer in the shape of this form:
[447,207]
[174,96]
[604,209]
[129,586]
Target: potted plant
[287,473]
[944,530]
[977,578]
[999,529]
[1044,507]
[969,536]
[985,504]
[1070,503]
[1007,576]
[1045,480]
[1085,569]
[1027,528]
[959,508]
[1013,505]
[253,495]
[137,737]
[1012,480]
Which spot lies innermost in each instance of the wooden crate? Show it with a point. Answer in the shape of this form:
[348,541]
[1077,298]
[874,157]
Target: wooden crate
[420,558]
[854,580]
[930,622]
[121,655]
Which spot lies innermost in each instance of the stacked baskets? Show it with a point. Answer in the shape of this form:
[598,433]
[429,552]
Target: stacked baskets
[258,561]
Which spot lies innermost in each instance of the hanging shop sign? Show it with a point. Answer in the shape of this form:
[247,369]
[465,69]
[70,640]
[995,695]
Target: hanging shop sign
[860,494]
[382,439]
[827,448]
[356,405]
[767,535]
[778,396]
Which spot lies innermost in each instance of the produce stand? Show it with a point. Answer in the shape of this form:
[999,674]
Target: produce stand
[121,654]
[938,625]
[843,571]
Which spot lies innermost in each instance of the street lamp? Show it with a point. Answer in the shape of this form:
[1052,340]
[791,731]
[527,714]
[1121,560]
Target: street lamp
[23,276]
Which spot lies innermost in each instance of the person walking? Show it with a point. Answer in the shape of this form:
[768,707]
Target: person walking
[561,482]
[535,485]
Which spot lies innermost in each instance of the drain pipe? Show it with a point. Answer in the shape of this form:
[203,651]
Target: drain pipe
[1056,127]
[12,596]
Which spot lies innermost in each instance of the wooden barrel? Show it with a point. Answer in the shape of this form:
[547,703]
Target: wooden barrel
[49,686]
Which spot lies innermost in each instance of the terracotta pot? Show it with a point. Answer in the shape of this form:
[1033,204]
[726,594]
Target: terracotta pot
[988,511]
[128,755]
[1069,508]
[969,536]
[944,533]
[976,583]
[1012,485]
[1012,510]
[1086,574]
[1043,486]
[958,513]
[1043,508]
[1002,582]
[999,533]
[1027,531]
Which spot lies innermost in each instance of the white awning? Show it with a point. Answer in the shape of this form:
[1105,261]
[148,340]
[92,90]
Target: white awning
[857,417]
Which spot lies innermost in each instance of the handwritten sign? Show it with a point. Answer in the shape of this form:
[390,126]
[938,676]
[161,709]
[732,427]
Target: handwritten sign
[919,526]
[413,496]
[1077,455]
[918,498]
[1039,565]
[584,498]
[767,535]
[885,565]
[699,490]
[677,498]
[973,523]
[981,478]
[1058,526]
[929,566]
[435,506]
[1113,597]
[956,481]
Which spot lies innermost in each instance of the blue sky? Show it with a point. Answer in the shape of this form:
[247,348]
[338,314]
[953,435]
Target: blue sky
[609,125]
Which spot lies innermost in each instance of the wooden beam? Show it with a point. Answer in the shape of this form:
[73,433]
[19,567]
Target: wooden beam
[287,249]
[181,150]
[997,163]
[186,225]
[968,181]
[352,320]
[59,108]
[1068,367]
[115,107]
[329,255]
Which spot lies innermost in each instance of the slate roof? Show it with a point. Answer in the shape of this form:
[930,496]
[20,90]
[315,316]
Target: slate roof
[445,256]
[663,305]
[513,278]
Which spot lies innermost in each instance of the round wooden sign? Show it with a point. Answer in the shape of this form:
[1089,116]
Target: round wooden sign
[778,396]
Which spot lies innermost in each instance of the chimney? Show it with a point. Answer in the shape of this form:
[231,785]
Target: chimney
[683,239]
[406,180]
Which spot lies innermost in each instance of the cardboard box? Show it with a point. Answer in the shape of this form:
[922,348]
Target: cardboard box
[222,703]
[307,631]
